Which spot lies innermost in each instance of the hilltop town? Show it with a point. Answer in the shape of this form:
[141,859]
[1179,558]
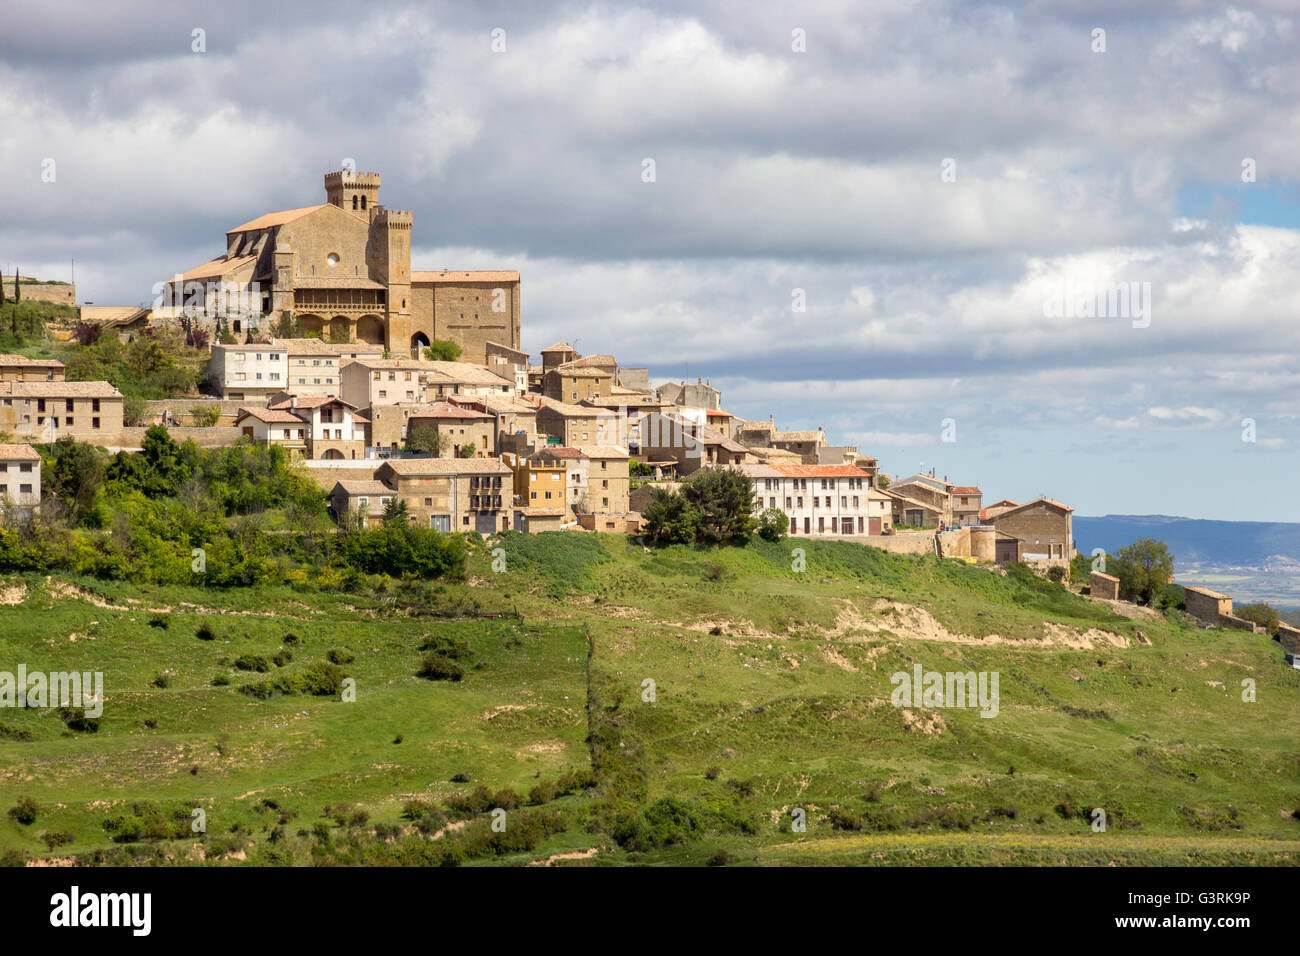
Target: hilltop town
[387,383]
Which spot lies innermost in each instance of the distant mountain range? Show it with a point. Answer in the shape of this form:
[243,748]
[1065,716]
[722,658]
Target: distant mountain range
[1249,560]
[1195,541]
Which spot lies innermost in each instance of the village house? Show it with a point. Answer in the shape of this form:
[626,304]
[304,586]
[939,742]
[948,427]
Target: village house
[515,420]
[803,443]
[509,363]
[965,505]
[997,508]
[608,480]
[1044,529]
[453,494]
[49,410]
[541,481]
[573,383]
[312,366]
[463,431]
[913,512]
[20,481]
[311,426]
[691,446]
[577,426]
[819,499]
[386,424]
[365,499]
[700,395]
[248,372]
[20,368]
[368,382]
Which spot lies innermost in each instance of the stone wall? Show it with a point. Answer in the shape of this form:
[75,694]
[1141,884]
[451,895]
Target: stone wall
[133,437]
[1289,637]
[57,293]
[1207,605]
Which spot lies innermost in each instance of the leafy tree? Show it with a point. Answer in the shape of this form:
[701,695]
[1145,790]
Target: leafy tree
[772,524]
[639,469]
[1143,568]
[205,416]
[882,481]
[467,451]
[442,350]
[670,519]
[87,333]
[1261,613]
[397,511]
[423,439]
[134,410]
[75,476]
[724,499]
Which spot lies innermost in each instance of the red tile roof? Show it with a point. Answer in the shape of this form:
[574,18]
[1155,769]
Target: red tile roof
[966,490]
[821,471]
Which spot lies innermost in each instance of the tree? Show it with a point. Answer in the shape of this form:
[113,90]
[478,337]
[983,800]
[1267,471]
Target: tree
[205,416]
[724,499]
[467,451]
[442,350]
[772,524]
[18,296]
[882,481]
[75,476]
[425,440]
[397,511]
[1261,613]
[670,519]
[1144,568]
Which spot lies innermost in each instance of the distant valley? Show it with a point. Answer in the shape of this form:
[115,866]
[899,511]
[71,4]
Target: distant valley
[1250,560]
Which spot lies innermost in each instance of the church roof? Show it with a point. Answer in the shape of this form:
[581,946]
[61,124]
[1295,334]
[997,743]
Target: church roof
[276,218]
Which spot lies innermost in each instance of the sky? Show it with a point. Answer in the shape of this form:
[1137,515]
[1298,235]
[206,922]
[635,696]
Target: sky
[945,188]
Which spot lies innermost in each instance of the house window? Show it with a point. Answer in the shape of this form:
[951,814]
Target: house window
[94,423]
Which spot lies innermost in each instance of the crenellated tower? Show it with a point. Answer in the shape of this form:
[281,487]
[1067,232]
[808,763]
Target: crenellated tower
[388,257]
[357,193]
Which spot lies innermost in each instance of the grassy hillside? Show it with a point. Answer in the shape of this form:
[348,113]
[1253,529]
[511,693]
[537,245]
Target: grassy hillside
[771,693]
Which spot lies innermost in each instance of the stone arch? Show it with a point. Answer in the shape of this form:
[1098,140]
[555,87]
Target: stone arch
[310,323]
[419,342]
[370,329]
[332,454]
[340,329]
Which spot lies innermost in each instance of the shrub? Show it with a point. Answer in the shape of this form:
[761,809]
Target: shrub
[75,719]
[1056,574]
[205,632]
[57,838]
[24,811]
[340,656]
[543,792]
[773,524]
[437,667]
[161,621]
[252,662]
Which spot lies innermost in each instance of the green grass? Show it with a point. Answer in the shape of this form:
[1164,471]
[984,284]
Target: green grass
[785,706]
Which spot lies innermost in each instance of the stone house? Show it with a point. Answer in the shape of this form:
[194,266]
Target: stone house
[313,366]
[453,494]
[576,426]
[20,368]
[965,504]
[1044,529]
[459,427]
[20,481]
[368,499]
[49,410]
[248,372]
[700,395]
[573,384]
[608,480]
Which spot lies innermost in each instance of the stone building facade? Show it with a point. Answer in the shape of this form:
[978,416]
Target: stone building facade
[47,411]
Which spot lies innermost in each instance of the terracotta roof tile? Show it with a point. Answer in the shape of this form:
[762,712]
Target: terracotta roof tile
[276,218]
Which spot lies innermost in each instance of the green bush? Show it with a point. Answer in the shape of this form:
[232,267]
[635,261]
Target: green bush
[437,667]
[25,811]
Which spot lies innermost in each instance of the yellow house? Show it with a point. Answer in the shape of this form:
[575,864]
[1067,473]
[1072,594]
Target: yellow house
[540,480]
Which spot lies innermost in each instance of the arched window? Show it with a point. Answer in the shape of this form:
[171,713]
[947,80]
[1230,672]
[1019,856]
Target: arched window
[354,202]
[363,202]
